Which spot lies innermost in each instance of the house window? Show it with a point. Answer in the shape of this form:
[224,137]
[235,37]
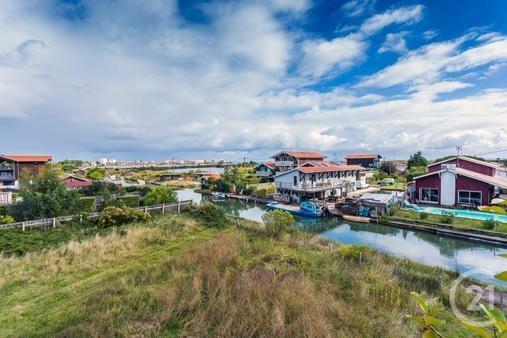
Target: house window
[470,197]
[429,195]
[295,181]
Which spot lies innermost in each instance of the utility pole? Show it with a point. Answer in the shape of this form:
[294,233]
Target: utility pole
[459,149]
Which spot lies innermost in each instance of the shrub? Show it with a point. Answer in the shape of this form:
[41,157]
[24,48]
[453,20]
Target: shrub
[114,216]
[212,215]
[446,218]
[159,195]
[87,204]
[131,201]
[423,215]
[6,219]
[489,224]
[277,221]
[353,251]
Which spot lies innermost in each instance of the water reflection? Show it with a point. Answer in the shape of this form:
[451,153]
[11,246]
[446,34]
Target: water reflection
[427,248]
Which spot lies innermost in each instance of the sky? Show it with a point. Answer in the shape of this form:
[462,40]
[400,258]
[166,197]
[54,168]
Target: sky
[151,80]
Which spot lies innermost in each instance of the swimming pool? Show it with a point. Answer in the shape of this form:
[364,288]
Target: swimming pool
[464,213]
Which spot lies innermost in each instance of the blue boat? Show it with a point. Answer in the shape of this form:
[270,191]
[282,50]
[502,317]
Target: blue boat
[306,209]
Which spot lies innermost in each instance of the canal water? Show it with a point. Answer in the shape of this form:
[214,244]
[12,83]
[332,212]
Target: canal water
[447,252]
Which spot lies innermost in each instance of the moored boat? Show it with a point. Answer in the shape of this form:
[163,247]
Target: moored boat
[307,209]
[218,196]
[357,219]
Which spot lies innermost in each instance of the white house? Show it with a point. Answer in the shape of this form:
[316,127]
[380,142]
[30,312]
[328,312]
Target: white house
[316,180]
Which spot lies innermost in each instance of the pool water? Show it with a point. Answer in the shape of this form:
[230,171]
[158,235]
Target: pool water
[482,216]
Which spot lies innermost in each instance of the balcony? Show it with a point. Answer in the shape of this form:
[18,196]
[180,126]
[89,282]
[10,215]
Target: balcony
[7,176]
[263,173]
[310,187]
[284,164]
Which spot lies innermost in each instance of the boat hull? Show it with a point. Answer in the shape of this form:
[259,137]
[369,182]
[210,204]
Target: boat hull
[357,219]
[294,210]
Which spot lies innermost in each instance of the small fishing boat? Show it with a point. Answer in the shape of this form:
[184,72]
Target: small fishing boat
[218,196]
[357,219]
[307,209]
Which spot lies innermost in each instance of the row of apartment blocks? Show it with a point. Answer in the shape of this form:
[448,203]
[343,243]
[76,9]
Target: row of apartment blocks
[304,175]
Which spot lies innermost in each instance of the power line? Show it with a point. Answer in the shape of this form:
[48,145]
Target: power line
[491,152]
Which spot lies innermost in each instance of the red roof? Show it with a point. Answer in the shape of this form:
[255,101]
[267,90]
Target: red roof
[360,156]
[27,158]
[78,184]
[303,154]
[468,159]
[493,180]
[327,168]
[269,164]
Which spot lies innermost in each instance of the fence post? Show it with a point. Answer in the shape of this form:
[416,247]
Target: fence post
[146,210]
[163,208]
[23,226]
[54,222]
[179,207]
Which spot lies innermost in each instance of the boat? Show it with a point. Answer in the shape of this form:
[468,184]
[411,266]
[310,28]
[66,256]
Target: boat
[218,196]
[307,209]
[357,219]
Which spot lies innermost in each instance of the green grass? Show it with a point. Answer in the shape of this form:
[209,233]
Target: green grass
[459,223]
[173,276]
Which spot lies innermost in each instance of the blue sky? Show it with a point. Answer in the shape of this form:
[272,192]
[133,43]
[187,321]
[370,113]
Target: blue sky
[226,79]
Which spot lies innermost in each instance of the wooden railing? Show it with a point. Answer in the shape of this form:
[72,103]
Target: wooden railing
[165,208]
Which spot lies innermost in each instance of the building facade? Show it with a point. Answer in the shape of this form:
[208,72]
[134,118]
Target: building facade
[460,181]
[289,159]
[16,167]
[364,160]
[316,180]
[265,170]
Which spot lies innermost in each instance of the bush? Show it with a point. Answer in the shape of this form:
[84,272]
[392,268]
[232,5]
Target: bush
[446,218]
[131,201]
[423,215]
[6,219]
[353,251]
[277,221]
[160,195]
[87,204]
[212,215]
[489,224]
[114,216]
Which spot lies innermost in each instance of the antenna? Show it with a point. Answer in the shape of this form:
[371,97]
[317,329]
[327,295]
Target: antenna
[459,149]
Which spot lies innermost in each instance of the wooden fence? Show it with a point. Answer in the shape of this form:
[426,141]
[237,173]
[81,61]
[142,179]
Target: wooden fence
[52,222]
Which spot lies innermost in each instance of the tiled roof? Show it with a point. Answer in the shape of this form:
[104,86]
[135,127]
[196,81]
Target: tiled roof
[78,184]
[360,156]
[270,164]
[27,158]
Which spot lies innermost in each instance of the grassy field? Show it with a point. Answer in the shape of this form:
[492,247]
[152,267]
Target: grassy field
[459,223]
[173,276]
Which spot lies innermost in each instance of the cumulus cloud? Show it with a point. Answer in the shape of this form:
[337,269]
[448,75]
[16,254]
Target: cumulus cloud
[324,56]
[395,42]
[430,62]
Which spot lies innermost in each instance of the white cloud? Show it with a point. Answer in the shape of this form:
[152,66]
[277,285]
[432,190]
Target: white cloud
[395,42]
[322,57]
[430,62]
[407,15]
[429,34]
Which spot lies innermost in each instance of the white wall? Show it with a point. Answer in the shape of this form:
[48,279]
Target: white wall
[447,188]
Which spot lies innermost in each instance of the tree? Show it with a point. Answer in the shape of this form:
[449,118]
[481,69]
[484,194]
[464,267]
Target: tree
[96,174]
[277,221]
[417,160]
[45,196]
[159,195]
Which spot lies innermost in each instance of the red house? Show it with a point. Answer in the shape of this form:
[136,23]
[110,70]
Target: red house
[460,181]
[76,182]
[15,167]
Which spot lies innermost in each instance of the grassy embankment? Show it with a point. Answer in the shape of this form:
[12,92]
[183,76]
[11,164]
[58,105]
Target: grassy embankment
[174,276]
[458,222]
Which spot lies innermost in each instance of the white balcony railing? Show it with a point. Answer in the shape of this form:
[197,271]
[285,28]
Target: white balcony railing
[284,163]
[263,173]
[316,186]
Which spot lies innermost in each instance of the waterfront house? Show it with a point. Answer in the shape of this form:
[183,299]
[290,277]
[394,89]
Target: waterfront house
[289,159]
[73,182]
[16,167]
[265,170]
[364,160]
[460,181]
[316,180]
